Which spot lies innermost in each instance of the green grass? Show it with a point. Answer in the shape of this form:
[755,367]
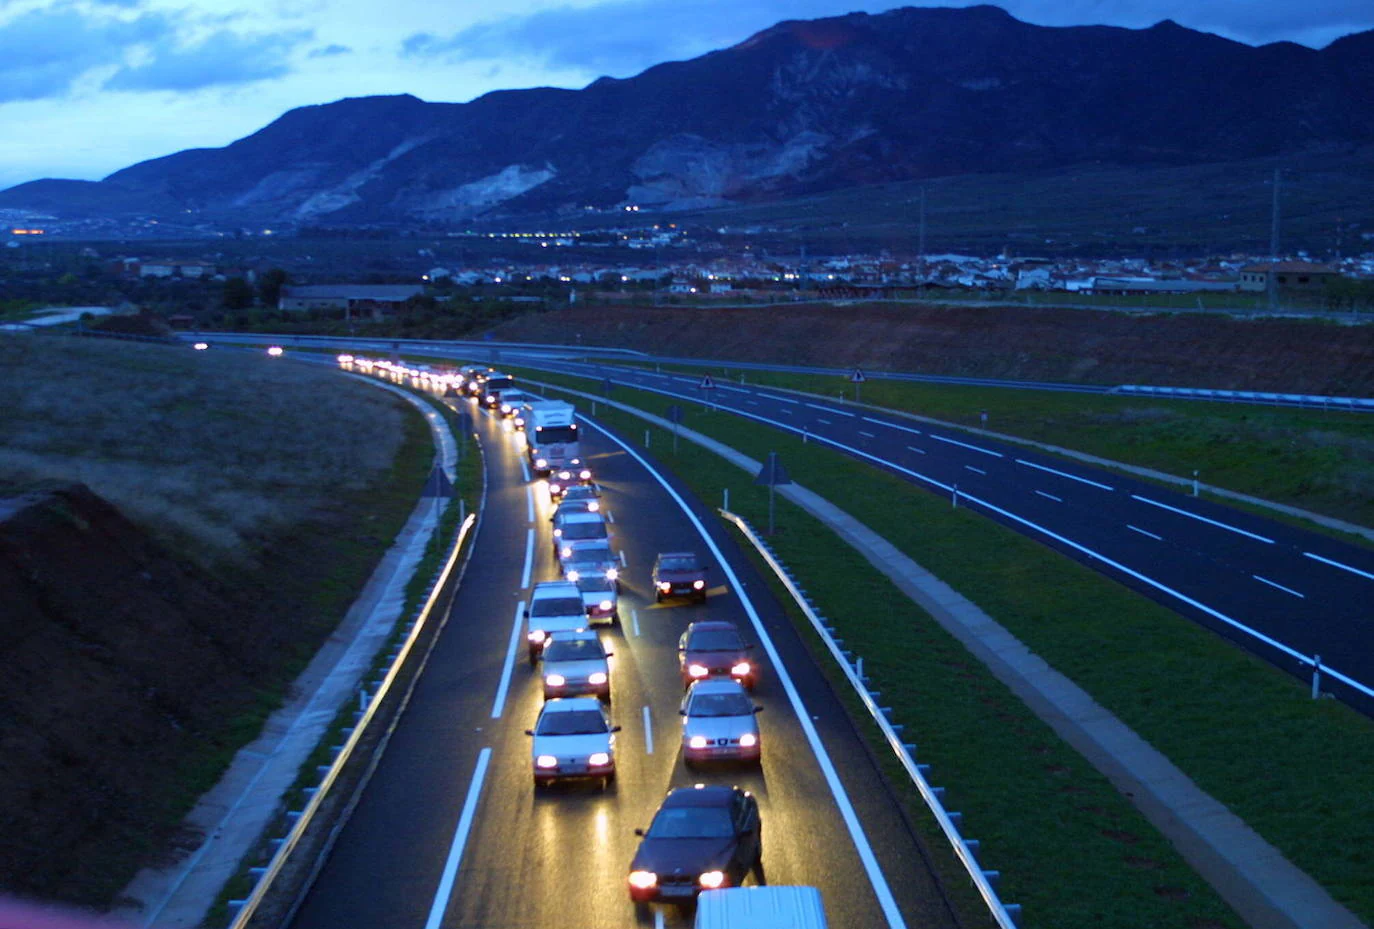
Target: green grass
[1243,731]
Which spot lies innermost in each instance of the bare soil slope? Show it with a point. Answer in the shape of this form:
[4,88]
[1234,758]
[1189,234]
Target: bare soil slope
[1088,346]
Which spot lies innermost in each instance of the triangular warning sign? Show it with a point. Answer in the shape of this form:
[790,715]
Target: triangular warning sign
[437,484]
[707,383]
[857,377]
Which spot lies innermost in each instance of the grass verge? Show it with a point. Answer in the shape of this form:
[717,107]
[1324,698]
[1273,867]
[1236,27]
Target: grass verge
[1243,731]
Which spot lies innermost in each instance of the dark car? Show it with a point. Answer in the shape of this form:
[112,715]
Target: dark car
[701,838]
[679,574]
[714,648]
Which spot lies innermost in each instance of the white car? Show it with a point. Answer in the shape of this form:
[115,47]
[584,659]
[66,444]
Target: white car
[600,594]
[578,530]
[573,739]
[555,606]
[719,722]
[593,560]
[576,663]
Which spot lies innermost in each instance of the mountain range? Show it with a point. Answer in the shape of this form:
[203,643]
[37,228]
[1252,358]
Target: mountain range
[802,107]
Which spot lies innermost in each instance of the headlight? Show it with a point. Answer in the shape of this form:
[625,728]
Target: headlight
[555,680]
[564,475]
[596,677]
[604,604]
[643,880]
[696,670]
[599,759]
[612,574]
[274,351]
[585,475]
[541,463]
[566,550]
[593,506]
[741,669]
[505,408]
[345,359]
[546,761]
[573,576]
[554,489]
[558,533]
[201,346]
[712,879]
[664,586]
[748,740]
[697,741]
[537,635]
[698,585]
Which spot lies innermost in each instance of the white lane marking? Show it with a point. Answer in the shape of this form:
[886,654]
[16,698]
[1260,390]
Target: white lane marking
[822,419]
[634,620]
[1287,590]
[940,438]
[529,502]
[498,706]
[737,390]
[785,412]
[784,399]
[610,517]
[1158,538]
[1337,564]
[460,840]
[658,919]
[1204,519]
[832,779]
[648,733]
[622,559]
[883,422]
[867,435]
[1050,496]
[529,559]
[974,470]
[919,451]
[525,470]
[1072,477]
[752,402]
[826,409]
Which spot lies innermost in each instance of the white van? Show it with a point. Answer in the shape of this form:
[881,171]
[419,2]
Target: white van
[761,908]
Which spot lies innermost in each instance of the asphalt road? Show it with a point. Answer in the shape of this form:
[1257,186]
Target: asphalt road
[1283,592]
[450,831]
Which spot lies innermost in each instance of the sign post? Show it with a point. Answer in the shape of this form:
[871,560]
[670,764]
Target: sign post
[857,378]
[675,417]
[772,473]
[705,385]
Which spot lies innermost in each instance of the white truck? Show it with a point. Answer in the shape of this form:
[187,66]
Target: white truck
[551,438]
[773,907]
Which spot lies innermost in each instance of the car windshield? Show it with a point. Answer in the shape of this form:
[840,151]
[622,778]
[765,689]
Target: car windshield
[691,822]
[714,640]
[580,492]
[732,704]
[557,606]
[494,384]
[545,435]
[595,584]
[587,530]
[680,563]
[568,507]
[573,722]
[576,650]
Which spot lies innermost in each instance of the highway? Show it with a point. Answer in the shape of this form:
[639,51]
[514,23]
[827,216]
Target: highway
[1283,592]
[450,831]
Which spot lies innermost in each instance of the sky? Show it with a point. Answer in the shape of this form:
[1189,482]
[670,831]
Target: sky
[91,86]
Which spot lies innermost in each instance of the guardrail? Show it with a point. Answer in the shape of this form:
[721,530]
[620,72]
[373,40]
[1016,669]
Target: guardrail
[1358,404]
[243,910]
[1005,915]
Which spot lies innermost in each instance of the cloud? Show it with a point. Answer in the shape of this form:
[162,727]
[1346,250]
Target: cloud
[45,51]
[223,57]
[330,51]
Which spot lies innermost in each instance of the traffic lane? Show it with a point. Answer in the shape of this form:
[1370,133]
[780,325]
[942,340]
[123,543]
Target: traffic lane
[386,864]
[795,785]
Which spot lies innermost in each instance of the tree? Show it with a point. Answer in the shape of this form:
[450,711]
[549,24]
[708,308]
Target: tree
[238,294]
[270,285]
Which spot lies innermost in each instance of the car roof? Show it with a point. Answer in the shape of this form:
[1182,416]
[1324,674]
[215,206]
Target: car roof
[715,685]
[698,795]
[575,635]
[709,624]
[663,555]
[554,589]
[570,704]
[583,516]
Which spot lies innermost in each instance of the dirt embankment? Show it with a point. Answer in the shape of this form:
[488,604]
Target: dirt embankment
[118,658]
[1087,346]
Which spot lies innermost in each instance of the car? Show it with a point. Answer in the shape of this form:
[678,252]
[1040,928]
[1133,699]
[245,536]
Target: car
[554,606]
[573,738]
[575,663]
[714,648]
[471,378]
[588,492]
[679,574]
[561,480]
[774,907]
[600,595]
[492,386]
[719,723]
[511,402]
[567,507]
[702,838]
[578,530]
[595,559]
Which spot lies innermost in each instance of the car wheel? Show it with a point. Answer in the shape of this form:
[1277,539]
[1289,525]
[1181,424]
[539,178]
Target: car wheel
[658,597]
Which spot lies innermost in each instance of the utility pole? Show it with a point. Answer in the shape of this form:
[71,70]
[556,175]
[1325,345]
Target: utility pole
[1274,247]
[921,236]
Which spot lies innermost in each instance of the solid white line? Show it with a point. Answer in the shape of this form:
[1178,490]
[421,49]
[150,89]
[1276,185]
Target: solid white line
[622,559]
[1337,564]
[919,451]
[634,620]
[883,422]
[1072,477]
[498,706]
[940,438]
[974,470]
[648,733]
[822,419]
[785,412]
[1050,496]
[846,808]
[529,559]
[610,517]
[782,399]
[1159,538]
[1287,590]
[1204,519]
[525,470]
[658,919]
[826,409]
[460,839]
[529,502]
[867,435]
[738,390]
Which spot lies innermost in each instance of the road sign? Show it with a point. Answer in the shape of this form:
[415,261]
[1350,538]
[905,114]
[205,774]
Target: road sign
[674,413]
[707,383]
[437,484]
[858,376]
[772,473]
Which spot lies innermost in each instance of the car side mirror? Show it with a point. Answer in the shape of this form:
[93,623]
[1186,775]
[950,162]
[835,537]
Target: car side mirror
[615,728]
[526,612]
[639,832]
[758,709]
[609,654]
[682,712]
[529,732]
